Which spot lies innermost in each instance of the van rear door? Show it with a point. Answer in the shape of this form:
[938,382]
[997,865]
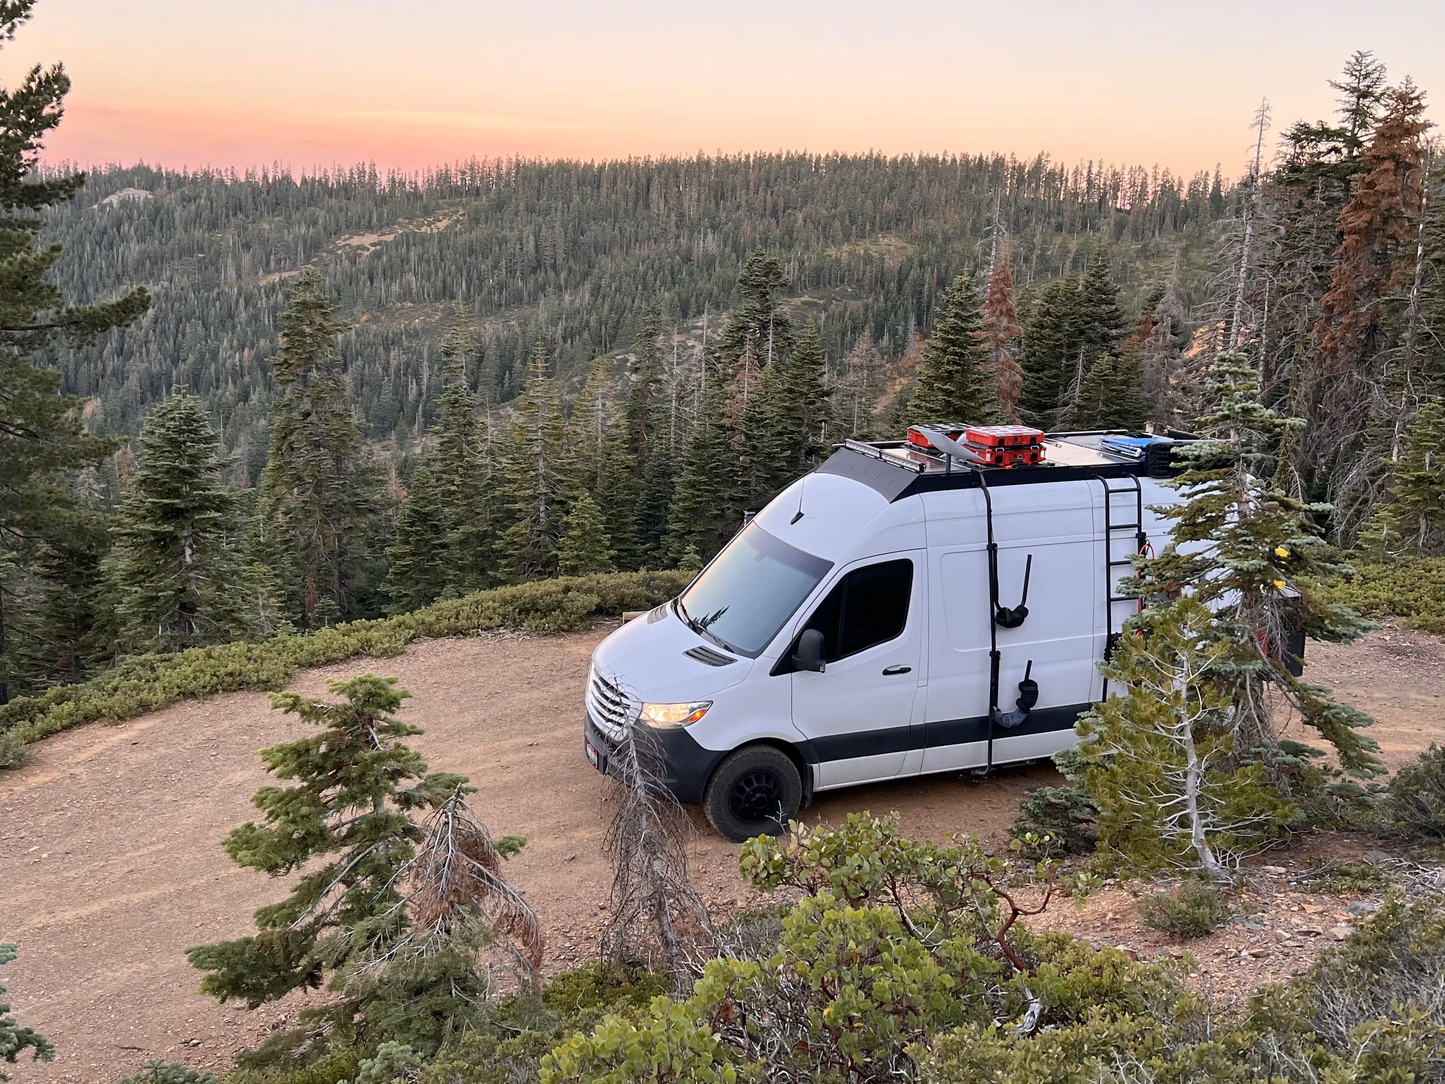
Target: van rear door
[858,714]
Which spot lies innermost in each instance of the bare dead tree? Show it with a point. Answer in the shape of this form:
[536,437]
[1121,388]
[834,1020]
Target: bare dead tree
[457,888]
[657,915]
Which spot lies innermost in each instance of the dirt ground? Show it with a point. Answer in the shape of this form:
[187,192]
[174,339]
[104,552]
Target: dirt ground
[111,861]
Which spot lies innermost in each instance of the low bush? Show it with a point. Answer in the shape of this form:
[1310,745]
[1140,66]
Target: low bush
[1345,878]
[1414,802]
[169,1072]
[1410,588]
[1193,910]
[144,683]
[12,750]
[1060,820]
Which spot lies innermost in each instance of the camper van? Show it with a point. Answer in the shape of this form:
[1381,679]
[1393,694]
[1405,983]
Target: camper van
[935,604]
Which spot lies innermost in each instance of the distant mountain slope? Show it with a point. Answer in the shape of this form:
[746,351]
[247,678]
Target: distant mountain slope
[571,253]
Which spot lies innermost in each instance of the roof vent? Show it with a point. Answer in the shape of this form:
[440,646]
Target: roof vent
[709,656]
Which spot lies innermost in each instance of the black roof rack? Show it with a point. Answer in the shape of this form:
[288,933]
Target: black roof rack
[898,469]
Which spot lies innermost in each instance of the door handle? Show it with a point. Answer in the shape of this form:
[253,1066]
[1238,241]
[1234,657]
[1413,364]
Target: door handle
[890,671]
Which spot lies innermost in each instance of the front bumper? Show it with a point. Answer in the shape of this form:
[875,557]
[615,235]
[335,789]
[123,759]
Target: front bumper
[686,765]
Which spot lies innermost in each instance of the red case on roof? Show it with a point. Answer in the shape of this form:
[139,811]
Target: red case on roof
[1004,436]
[918,434]
[1007,457]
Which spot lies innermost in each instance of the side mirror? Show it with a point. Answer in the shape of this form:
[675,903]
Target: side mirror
[809,655]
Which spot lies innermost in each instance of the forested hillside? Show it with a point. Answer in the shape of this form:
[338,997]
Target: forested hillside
[339,396]
[570,254]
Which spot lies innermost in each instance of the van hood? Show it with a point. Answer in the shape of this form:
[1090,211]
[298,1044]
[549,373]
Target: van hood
[648,658]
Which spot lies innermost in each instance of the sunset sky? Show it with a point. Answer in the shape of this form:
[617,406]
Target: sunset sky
[321,82]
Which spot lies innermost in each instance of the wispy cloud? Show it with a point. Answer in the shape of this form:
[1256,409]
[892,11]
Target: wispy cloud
[476,122]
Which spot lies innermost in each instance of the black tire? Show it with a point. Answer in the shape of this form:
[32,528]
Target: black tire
[754,791]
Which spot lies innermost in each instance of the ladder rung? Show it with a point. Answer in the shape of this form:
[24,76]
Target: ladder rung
[1124,598]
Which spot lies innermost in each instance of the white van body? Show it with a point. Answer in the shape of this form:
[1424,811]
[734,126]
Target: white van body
[909,686]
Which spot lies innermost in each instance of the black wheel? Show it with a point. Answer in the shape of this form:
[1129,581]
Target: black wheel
[754,791]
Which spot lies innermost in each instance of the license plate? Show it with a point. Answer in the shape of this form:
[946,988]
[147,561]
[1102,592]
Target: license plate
[592,755]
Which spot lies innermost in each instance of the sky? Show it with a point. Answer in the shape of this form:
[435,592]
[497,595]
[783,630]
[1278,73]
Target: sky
[318,83]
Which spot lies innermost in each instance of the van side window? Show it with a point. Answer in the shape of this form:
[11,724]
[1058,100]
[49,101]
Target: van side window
[867,607]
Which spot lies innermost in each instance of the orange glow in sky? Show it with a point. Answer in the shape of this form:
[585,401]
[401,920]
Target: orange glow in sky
[310,83]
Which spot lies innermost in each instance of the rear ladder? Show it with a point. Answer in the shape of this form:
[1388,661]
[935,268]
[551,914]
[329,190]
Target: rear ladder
[1113,533]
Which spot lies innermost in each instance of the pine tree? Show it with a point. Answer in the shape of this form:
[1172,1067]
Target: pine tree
[1415,518]
[1376,226]
[1051,353]
[751,467]
[1160,757]
[320,494]
[758,318]
[585,548]
[1112,395]
[418,561]
[1252,554]
[1102,323]
[15,1038]
[637,484]
[1161,357]
[346,824]
[953,379]
[797,408]
[41,434]
[590,428]
[462,465]
[855,398]
[176,567]
[538,478]
[702,513]
[1000,319]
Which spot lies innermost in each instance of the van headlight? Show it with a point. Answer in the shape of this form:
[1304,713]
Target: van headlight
[670,715]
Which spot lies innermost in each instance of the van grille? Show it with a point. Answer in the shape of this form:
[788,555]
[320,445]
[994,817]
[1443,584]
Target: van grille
[611,708]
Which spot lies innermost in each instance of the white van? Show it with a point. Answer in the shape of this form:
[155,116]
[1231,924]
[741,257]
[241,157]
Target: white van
[896,612]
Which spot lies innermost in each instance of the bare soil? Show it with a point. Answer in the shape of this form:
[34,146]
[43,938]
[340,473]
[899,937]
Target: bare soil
[111,861]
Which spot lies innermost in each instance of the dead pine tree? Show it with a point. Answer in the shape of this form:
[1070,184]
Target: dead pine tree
[457,892]
[657,916]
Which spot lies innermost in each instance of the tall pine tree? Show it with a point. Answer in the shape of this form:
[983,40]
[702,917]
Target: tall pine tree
[797,406]
[320,496]
[176,568]
[1002,325]
[1253,554]
[539,479]
[1051,353]
[702,515]
[954,384]
[42,438]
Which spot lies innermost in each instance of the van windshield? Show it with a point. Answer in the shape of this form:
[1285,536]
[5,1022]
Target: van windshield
[750,590]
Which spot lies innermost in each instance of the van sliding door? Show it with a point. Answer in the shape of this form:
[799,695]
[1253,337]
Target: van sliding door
[1048,531]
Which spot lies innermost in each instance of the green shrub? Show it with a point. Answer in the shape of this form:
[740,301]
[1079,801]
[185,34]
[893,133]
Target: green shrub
[12,750]
[333,1068]
[1410,588]
[1345,878]
[1064,816]
[168,1072]
[508,1045]
[1414,803]
[1193,910]
[144,683]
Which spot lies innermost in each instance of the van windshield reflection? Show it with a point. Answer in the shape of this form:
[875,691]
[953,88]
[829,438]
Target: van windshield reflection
[750,590]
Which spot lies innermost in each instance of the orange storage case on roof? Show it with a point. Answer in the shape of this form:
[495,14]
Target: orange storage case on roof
[1004,436]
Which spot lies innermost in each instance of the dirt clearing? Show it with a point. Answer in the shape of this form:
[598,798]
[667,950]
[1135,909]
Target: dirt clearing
[110,839]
